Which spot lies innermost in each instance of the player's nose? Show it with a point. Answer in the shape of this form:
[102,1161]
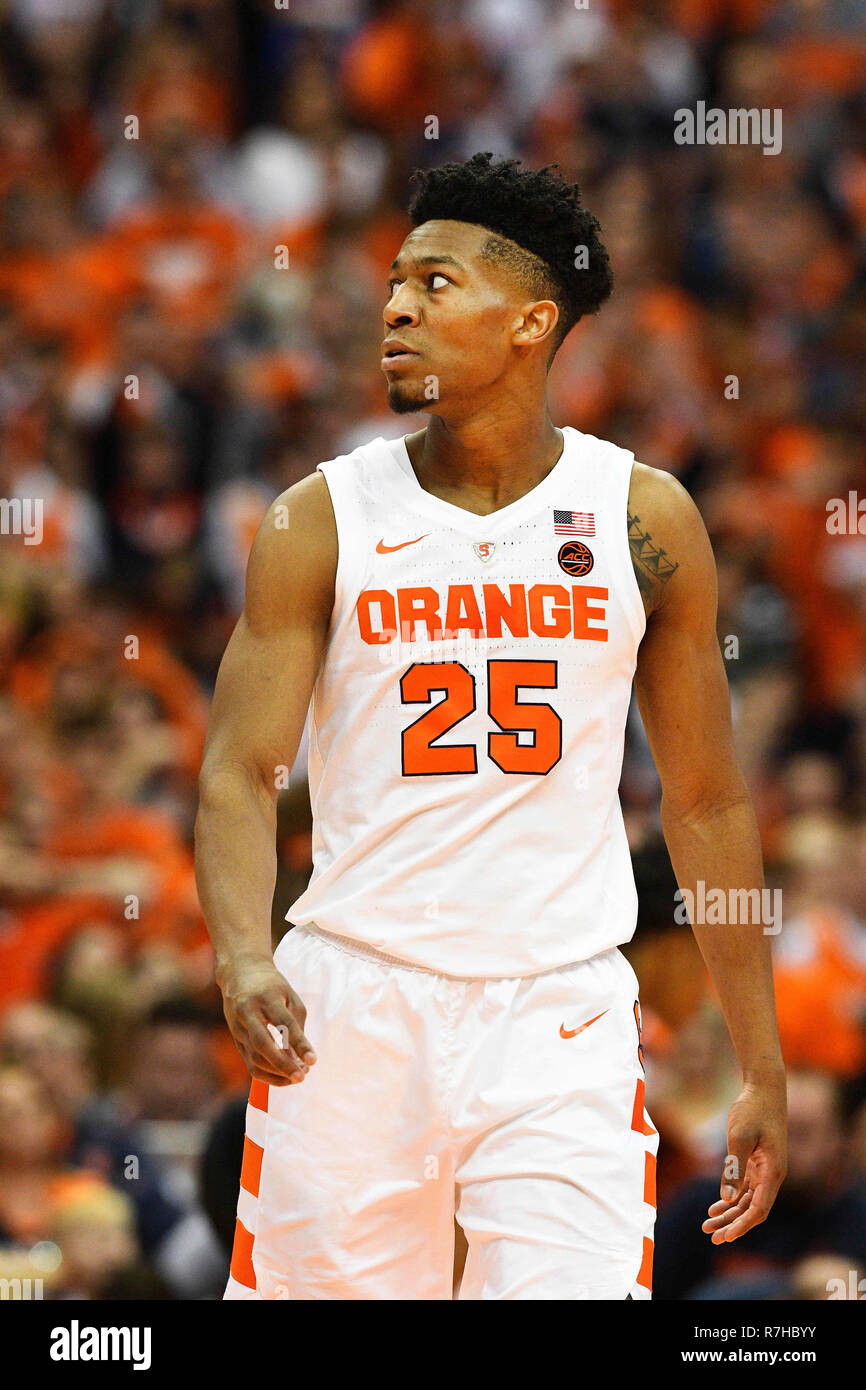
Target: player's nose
[400,309]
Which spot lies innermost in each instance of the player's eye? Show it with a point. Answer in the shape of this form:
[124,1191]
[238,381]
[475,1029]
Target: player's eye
[392,285]
[438,276]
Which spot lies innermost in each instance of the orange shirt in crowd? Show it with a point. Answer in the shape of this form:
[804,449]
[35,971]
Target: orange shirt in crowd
[31,937]
[74,294]
[182,701]
[820,995]
[183,257]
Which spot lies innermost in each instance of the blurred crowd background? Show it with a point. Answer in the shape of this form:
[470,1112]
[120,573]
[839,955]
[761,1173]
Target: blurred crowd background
[161,380]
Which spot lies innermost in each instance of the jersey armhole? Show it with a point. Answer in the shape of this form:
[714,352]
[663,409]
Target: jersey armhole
[350,531]
[624,569]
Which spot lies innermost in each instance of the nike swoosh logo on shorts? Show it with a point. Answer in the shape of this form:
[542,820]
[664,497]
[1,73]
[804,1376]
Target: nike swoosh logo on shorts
[565,1033]
[383,549]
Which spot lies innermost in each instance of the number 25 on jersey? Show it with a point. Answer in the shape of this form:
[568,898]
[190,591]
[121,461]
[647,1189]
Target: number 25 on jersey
[423,758]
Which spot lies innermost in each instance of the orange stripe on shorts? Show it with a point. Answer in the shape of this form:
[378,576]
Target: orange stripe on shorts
[649,1179]
[242,1257]
[251,1167]
[638,1119]
[645,1277]
[259,1095]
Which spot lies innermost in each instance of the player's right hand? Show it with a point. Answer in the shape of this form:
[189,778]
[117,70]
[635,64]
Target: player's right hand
[256,995]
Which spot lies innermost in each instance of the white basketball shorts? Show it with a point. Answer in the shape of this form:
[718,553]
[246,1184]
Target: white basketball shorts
[516,1105]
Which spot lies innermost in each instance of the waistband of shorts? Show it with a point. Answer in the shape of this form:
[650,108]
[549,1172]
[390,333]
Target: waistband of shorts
[360,948]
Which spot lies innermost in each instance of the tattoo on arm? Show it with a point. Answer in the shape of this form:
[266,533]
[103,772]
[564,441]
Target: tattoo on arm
[653,566]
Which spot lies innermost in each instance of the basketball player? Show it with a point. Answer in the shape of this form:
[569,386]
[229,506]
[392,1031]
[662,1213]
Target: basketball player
[466,608]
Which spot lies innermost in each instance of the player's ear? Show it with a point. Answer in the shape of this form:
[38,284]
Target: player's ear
[536,323]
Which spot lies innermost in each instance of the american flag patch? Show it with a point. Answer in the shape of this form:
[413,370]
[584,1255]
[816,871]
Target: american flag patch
[574,523]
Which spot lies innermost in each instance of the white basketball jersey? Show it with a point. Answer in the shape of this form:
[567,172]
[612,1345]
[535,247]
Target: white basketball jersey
[467,724]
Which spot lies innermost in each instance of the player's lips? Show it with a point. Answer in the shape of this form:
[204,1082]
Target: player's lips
[396,354]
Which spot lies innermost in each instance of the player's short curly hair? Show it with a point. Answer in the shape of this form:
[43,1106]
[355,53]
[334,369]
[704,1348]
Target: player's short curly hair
[539,229]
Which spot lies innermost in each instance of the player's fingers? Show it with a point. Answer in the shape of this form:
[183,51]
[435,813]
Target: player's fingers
[757,1212]
[741,1142]
[720,1207]
[711,1228]
[269,1025]
[714,1223]
[269,1077]
[277,1003]
[717,1218]
[296,1005]
[277,1055]
[258,1069]
[290,1031]
[287,996]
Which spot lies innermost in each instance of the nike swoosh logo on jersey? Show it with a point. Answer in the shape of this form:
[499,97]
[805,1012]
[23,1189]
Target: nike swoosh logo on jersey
[565,1033]
[383,549]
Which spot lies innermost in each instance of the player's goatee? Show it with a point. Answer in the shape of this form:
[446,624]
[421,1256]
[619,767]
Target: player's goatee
[402,402]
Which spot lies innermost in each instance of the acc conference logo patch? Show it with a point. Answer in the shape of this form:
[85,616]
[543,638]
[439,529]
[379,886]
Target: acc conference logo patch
[575,558]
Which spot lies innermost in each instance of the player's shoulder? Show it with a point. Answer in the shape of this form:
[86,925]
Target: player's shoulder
[293,561]
[667,538]
[298,520]
[662,496]
[307,500]
[304,515]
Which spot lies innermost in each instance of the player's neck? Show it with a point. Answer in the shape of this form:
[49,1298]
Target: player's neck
[490,460]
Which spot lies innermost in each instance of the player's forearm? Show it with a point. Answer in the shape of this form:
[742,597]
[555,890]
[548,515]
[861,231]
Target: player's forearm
[716,856]
[236,864]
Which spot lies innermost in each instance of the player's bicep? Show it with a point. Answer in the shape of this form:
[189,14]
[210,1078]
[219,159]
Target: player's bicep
[272,659]
[681,683]
[260,699]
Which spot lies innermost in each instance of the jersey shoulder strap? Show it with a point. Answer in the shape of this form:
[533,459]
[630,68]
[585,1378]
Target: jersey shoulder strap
[602,473]
[357,483]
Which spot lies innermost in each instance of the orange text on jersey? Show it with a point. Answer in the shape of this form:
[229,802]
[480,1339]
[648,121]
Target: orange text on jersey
[546,610]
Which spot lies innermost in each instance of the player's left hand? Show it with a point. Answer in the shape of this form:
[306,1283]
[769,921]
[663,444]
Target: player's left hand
[756,1162]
